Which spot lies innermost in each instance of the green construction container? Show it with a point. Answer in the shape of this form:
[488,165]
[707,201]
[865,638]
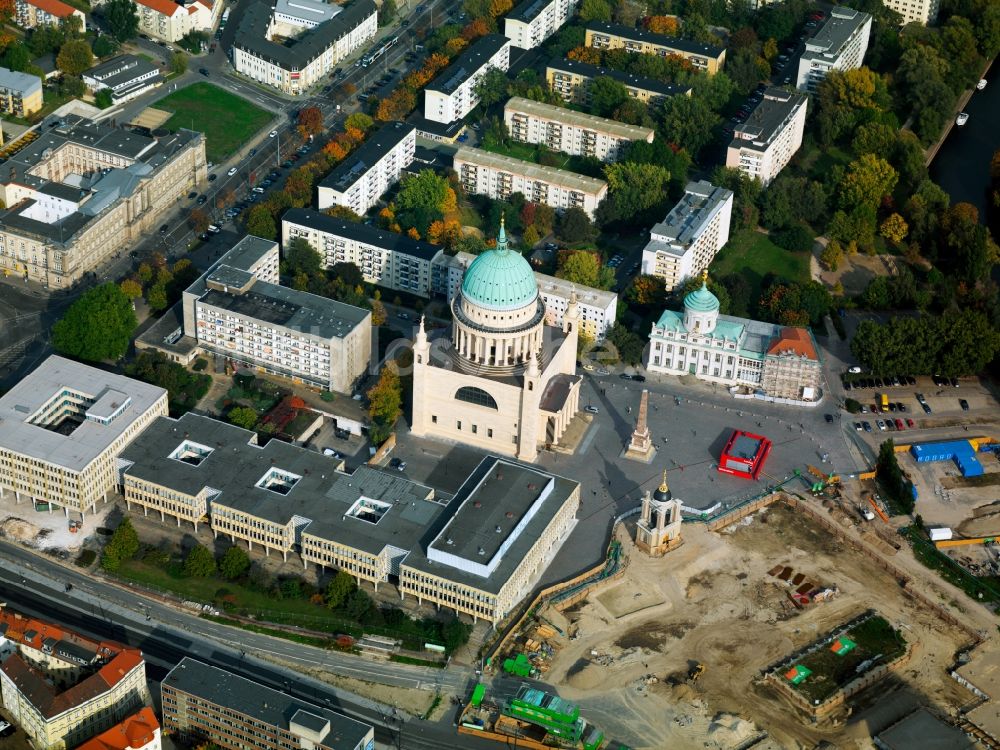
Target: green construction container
[519,666]
[558,717]
[477,694]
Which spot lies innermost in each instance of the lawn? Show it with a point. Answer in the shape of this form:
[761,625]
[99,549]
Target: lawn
[228,121]
[752,255]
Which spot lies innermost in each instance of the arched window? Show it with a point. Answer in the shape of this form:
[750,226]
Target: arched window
[476,396]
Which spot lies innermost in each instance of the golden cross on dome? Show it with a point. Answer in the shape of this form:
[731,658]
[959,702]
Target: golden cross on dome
[663,485]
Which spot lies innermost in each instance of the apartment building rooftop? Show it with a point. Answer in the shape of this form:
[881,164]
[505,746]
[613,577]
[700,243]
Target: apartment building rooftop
[578,119]
[307,11]
[358,232]
[255,20]
[373,150]
[687,219]
[475,56]
[53,7]
[265,705]
[767,120]
[24,83]
[629,79]
[570,180]
[528,10]
[585,295]
[643,35]
[67,413]
[833,35]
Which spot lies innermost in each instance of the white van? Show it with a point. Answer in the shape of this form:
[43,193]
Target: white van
[213,229]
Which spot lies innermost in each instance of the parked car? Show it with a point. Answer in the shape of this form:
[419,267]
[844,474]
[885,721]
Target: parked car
[910,423]
[272,134]
[855,369]
[639,378]
[202,200]
[964,404]
[867,426]
[858,427]
[232,171]
[203,71]
[880,424]
[164,228]
[954,382]
[899,423]
[625,376]
[591,409]
[828,418]
[926,407]
[212,177]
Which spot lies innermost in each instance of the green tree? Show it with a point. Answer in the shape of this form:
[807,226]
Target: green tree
[606,95]
[890,476]
[103,98]
[627,344]
[832,255]
[156,297]
[689,122]
[575,226]
[491,87]
[584,267]
[96,327]
[385,399]
[72,86]
[122,17]
[338,589]
[178,62]
[875,138]
[301,257]
[359,121]
[234,563]
[75,57]
[105,45]
[131,288]
[867,180]
[242,416]
[260,223]
[422,200]
[633,190]
[199,563]
[595,10]
[387,13]
[123,546]
[746,193]
[16,57]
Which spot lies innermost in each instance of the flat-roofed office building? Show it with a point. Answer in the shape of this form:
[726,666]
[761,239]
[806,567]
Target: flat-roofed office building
[387,259]
[569,131]
[771,135]
[452,93]
[570,79]
[485,173]
[62,429]
[533,21]
[373,524]
[604,35]
[202,702]
[685,242]
[360,179]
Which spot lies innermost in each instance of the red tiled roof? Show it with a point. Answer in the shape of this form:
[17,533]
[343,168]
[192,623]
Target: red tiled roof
[53,7]
[795,341]
[166,7]
[136,731]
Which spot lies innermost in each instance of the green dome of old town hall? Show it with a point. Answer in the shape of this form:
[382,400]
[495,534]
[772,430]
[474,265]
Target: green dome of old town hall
[702,300]
[500,279]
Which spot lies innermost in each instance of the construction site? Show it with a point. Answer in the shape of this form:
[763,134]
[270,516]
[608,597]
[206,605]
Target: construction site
[694,649]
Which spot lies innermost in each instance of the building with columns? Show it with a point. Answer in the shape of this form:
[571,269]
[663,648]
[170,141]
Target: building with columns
[503,381]
[659,528]
[763,359]
[478,552]
[62,429]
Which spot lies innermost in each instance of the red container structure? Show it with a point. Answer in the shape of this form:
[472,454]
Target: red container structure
[744,454]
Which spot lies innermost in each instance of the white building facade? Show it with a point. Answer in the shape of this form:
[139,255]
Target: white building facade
[771,135]
[533,21]
[451,95]
[485,173]
[923,12]
[569,131]
[839,44]
[360,180]
[686,241]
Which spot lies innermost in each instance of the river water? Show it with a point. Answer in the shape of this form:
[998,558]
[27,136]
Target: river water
[962,165]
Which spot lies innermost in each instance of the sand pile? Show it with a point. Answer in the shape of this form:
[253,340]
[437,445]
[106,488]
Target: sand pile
[585,675]
[727,730]
[18,528]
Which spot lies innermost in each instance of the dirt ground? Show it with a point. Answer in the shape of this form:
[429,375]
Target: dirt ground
[722,609]
[43,530]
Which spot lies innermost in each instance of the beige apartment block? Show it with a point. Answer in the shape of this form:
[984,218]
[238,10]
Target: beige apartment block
[82,192]
[569,131]
[531,22]
[570,79]
[706,57]
[62,429]
[30,14]
[20,93]
[923,12]
[171,22]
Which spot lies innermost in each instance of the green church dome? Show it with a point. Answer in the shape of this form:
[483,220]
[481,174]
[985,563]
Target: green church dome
[500,279]
[701,300]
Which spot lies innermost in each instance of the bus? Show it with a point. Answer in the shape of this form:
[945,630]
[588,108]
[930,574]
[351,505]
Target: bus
[377,53]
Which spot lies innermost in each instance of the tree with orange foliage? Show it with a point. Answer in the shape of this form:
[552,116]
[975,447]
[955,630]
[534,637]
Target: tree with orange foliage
[412,233]
[476,28]
[453,46]
[587,55]
[310,121]
[499,7]
[436,62]
[396,106]
[667,25]
[335,151]
[7,9]
[449,204]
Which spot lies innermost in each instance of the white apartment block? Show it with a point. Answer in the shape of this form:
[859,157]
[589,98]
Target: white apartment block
[238,310]
[569,131]
[360,180]
[485,173]
[923,12]
[685,242]
[451,95]
[169,21]
[533,21]
[262,49]
[840,43]
[386,259]
[62,429]
[597,309]
[30,14]
[771,135]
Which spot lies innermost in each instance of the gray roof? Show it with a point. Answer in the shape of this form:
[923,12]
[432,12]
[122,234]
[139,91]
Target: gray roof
[553,175]
[268,706]
[528,10]
[167,333]
[642,35]
[834,34]
[255,19]
[767,119]
[23,83]
[373,150]
[358,232]
[628,79]
[474,57]
[90,439]
[688,218]
[120,74]
[311,11]
[571,117]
